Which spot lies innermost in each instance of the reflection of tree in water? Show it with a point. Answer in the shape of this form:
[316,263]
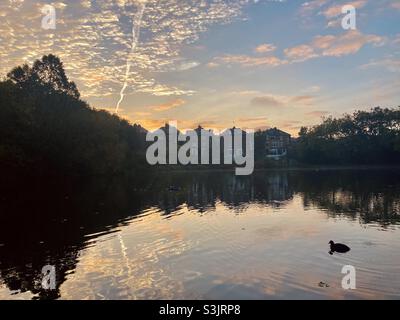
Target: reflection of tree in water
[202,191]
[43,224]
[370,196]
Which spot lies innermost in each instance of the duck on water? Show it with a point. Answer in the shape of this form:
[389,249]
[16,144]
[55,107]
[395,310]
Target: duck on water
[338,247]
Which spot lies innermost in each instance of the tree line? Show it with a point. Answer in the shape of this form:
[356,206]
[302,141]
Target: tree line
[364,137]
[46,128]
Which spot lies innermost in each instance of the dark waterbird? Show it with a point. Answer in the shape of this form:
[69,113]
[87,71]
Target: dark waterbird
[338,247]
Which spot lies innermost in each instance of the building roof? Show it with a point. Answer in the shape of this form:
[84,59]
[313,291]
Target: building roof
[276,132]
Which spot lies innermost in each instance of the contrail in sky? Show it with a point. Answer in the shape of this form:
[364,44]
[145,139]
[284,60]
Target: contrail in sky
[137,21]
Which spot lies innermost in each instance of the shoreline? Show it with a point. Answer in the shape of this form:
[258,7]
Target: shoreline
[297,168]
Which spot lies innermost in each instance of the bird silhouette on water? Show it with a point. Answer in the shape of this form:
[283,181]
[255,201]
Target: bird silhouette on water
[338,247]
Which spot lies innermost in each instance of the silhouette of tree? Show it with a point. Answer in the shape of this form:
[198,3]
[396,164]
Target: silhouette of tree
[46,128]
[48,73]
[364,137]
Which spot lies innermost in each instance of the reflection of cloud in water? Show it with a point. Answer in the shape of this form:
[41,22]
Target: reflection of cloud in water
[212,256]
[136,269]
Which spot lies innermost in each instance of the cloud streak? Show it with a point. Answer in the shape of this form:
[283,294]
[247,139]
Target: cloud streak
[137,22]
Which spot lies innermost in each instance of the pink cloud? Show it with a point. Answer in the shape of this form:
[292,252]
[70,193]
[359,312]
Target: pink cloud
[265,48]
[304,100]
[300,53]
[349,43]
[249,61]
[396,5]
[336,10]
[169,105]
[333,46]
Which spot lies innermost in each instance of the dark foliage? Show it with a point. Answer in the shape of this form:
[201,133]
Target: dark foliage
[361,138]
[46,128]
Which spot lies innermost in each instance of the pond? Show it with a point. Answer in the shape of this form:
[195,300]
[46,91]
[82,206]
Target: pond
[203,235]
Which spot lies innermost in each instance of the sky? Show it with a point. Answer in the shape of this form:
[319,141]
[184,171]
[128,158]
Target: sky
[252,64]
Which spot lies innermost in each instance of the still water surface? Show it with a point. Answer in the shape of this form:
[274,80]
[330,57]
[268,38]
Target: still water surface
[209,236]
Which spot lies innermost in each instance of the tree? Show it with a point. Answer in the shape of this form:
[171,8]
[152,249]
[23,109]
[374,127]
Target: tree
[46,75]
[364,137]
[45,128]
